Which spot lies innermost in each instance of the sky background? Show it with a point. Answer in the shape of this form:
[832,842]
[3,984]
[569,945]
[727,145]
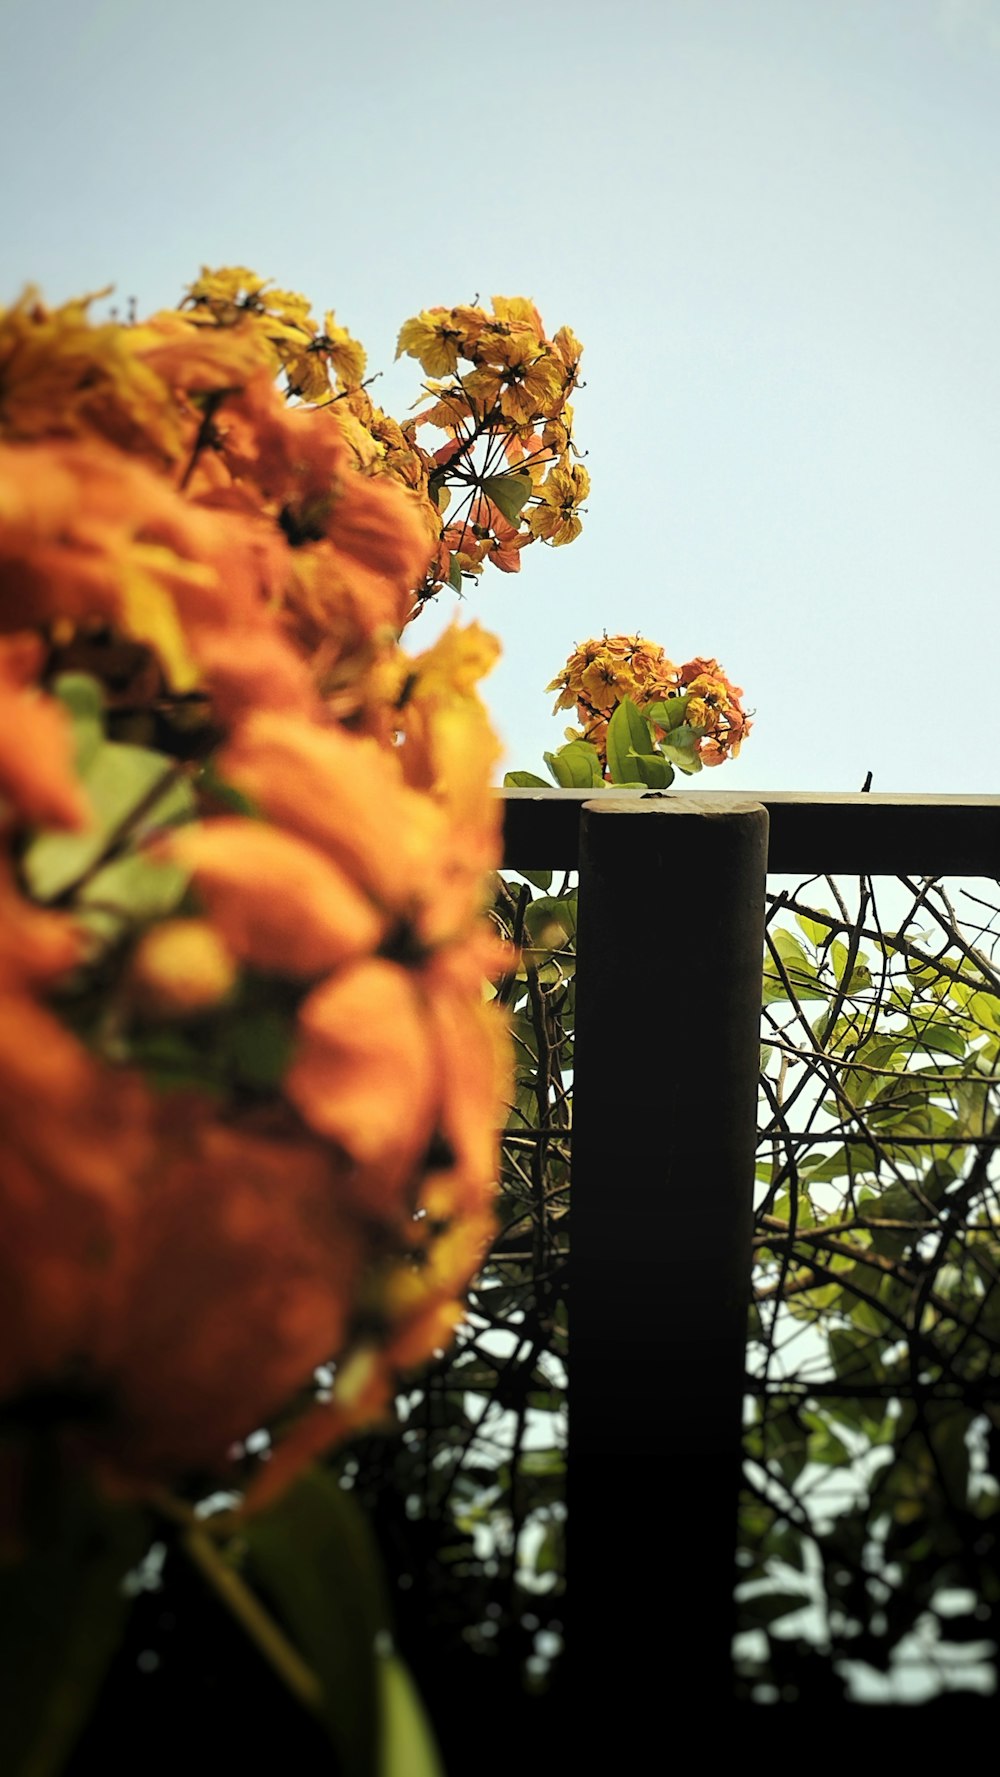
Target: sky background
[773,223]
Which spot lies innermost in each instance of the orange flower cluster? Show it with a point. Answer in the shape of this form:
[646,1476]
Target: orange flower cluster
[249,1081]
[505,475]
[600,673]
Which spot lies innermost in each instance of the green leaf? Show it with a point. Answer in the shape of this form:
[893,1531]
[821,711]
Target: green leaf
[768,1607]
[824,1168]
[868,1318]
[539,879]
[542,1462]
[119,782]
[817,933]
[854,1355]
[136,887]
[454,573]
[629,734]
[523,780]
[799,970]
[549,1554]
[407,1746]
[984,1010]
[938,1039]
[682,747]
[576,766]
[549,925]
[898,1203]
[83,700]
[652,769]
[62,1613]
[840,957]
[314,1558]
[508,493]
[668,713]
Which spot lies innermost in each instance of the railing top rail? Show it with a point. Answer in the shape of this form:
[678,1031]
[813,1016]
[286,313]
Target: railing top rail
[810,831]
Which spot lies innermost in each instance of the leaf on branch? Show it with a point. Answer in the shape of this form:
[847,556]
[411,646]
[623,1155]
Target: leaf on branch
[314,1558]
[407,1744]
[817,933]
[508,493]
[539,879]
[576,766]
[523,780]
[629,735]
[681,746]
[123,783]
[668,712]
[82,698]
[653,770]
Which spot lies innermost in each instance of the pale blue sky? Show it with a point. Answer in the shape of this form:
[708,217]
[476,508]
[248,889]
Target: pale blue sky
[774,224]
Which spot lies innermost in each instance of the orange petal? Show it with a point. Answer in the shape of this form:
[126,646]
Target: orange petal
[278,902]
[365,1075]
[342,793]
[243,1282]
[35,945]
[37,776]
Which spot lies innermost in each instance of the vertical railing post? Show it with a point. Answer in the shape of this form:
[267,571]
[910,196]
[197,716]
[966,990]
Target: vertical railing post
[668,988]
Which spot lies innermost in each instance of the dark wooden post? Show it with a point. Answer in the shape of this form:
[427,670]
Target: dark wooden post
[669,965]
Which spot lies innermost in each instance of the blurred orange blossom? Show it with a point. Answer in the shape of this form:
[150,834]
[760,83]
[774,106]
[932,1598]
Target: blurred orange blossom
[249,1081]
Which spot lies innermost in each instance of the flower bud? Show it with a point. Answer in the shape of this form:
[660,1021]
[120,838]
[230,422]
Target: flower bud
[181,967]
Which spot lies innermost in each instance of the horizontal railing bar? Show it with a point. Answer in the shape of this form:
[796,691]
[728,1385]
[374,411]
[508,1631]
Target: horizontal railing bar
[810,832]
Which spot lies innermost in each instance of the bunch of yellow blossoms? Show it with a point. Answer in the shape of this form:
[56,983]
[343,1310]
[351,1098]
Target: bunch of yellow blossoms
[600,673]
[506,475]
[248,1080]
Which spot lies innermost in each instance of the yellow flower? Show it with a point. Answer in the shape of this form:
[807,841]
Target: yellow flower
[521,310]
[569,349]
[556,518]
[454,665]
[346,354]
[433,339]
[522,377]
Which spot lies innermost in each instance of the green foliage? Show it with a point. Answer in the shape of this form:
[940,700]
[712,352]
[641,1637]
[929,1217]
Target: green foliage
[469,1497]
[406,1744]
[874,1334]
[508,493]
[576,766]
[62,1610]
[681,746]
[669,713]
[314,1558]
[132,791]
[877,1294]
[523,780]
[629,737]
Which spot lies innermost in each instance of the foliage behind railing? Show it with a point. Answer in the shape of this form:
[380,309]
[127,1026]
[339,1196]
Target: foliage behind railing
[867,1542]
[873,1444]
